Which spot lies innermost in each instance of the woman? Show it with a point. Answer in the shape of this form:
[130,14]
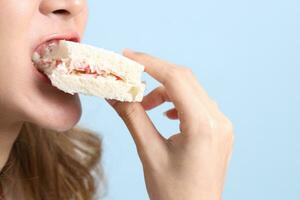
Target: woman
[43,157]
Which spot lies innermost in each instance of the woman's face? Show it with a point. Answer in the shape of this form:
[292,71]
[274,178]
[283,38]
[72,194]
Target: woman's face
[25,95]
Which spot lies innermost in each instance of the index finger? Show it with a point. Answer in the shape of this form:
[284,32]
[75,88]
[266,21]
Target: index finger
[158,69]
[180,85]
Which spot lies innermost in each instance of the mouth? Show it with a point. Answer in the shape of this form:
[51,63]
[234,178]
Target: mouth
[44,42]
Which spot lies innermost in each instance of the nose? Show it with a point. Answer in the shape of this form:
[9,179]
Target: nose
[65,8]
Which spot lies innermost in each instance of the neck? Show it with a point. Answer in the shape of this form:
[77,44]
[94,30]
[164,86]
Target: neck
[8,134]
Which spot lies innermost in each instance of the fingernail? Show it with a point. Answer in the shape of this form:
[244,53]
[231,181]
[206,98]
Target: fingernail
[128,51]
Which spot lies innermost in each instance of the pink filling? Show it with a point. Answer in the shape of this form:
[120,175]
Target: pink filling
[80,68]
[84,68]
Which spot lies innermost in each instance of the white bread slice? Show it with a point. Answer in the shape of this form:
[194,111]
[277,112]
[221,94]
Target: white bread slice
[129,88]
[101,87]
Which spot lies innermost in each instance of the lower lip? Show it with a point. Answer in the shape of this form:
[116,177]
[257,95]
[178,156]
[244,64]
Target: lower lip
[42,76]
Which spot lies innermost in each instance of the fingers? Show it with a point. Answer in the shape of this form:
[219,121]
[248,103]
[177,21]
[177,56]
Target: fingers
[145,135]
[183,90]
[157,68]
[171,114]
[155,98]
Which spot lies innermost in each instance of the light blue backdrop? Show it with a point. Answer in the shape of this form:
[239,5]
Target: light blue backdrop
[246,54]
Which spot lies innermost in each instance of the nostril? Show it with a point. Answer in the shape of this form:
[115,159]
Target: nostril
[61,12]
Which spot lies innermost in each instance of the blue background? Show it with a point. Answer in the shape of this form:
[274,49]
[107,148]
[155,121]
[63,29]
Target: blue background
[244,52]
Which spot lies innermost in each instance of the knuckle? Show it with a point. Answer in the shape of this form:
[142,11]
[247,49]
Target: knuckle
[212,132]
[145,57]
[115,104]
[174,73]
[228,130]
[215,104]
[160,89]
[219,129]
[140,54]
[186,71]
[228,126]
[128,113]
[163,94]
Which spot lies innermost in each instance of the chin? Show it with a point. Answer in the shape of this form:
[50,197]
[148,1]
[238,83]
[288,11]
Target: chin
[59,114]
[64,115]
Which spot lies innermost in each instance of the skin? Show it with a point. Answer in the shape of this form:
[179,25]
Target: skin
[24,96]
[189,165]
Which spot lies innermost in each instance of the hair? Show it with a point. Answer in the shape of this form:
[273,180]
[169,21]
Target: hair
[50,165]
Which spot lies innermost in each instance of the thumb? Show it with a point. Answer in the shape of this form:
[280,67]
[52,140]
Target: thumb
[146,137]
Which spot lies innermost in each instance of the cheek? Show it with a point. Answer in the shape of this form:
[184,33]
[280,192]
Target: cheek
[15,17]
[12,74]
[81,21]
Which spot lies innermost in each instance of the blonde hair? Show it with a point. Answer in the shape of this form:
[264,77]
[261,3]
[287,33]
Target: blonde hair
[51,165]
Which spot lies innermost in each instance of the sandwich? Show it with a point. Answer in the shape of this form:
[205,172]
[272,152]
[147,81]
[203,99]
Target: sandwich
[80,68]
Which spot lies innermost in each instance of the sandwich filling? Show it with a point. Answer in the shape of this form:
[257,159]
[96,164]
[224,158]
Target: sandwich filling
[45,62]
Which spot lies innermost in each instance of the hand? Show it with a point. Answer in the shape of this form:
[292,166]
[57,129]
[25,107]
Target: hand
[190,165]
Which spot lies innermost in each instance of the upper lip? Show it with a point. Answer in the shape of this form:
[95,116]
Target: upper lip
[69,36]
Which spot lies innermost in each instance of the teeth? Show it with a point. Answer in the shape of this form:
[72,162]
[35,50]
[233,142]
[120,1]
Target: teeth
[36,57]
